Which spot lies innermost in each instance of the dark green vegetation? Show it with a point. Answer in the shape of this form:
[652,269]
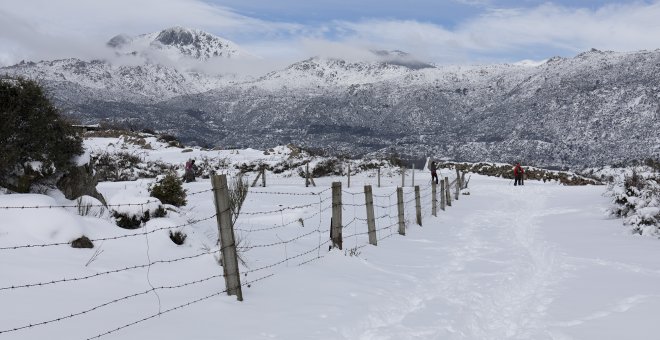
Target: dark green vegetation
[169,190]
[36,143]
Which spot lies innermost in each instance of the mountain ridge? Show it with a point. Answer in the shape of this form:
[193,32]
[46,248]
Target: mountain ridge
[592,109]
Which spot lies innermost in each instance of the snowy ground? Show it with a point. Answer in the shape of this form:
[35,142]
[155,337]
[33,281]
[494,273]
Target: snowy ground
[535,262]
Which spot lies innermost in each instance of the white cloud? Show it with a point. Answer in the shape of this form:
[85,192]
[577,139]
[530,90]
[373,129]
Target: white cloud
[513,32]
[617,27]
[46,29]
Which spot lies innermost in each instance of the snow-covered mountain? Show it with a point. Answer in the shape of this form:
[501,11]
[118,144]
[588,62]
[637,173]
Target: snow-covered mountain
[76,81]
[177,42]
[592,109]
[318,71]
[596,108]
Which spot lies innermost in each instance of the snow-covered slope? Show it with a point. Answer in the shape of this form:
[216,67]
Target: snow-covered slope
[538,261]
[594,109]
[177,42]
[317,71]
[75,80]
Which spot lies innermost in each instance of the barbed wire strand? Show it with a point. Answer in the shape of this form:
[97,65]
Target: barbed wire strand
[111,302]
[278,210]
[279,242]
[289,193]
[55,206]
[81,278]
[287,259]
[173,309]
[285,224]
[43,245]
[76,206]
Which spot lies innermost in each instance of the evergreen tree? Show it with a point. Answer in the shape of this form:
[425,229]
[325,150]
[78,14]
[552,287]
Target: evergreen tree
[36,143]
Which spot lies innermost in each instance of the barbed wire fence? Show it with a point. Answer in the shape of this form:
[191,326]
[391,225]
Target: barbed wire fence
[301,236]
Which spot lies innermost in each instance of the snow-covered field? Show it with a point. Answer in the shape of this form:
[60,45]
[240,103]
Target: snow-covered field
[535,262]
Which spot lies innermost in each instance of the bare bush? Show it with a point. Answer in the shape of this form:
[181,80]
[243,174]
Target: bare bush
[238,190]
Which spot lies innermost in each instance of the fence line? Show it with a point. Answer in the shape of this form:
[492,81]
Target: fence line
[386,210]
[44,245]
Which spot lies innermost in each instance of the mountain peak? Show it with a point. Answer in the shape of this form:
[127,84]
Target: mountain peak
[181,36]
[177,42]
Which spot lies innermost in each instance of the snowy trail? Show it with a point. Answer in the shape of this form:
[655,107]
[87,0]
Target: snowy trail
[500,265]
[491,280]
[539,262]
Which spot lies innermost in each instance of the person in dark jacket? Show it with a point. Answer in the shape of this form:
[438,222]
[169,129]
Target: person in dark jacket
[434,172]
[518,173]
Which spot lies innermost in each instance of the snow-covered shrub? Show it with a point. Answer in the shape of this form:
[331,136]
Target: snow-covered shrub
[328,167]
[131,211]
[116,166]
[134,219]
[130,221]
[246,167]
[207,166]
[287,164]
[36,143]
[169,190]
[126,166]
[636,198]
[178,237]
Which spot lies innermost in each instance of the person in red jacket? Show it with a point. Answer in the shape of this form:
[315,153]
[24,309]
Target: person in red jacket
[518,173]
[189,174]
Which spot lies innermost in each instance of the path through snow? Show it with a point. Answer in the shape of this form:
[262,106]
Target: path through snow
[535,262]
[530,262]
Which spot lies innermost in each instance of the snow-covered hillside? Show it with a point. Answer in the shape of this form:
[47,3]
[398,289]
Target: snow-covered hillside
[75,83]
[539,261]
[593,109]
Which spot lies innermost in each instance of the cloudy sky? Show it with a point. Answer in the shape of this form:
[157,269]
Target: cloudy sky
[441,31]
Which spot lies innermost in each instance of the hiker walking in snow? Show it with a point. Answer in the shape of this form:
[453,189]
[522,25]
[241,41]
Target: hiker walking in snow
[189,175]
[518,174]
[434,172]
